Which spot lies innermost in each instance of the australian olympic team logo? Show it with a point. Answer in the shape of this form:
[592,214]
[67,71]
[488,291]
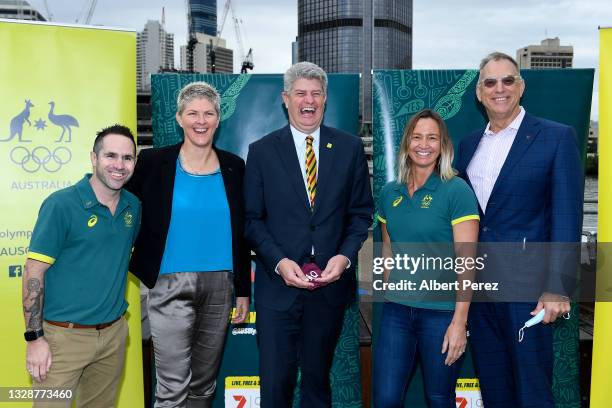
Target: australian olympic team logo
[40,157]
[34,158]
[426,202]
[128,218]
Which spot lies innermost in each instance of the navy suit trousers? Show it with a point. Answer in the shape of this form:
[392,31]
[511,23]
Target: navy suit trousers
[511,374]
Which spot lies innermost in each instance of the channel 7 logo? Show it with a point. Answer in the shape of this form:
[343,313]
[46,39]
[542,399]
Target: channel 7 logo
[246,401]
[241,401]
[463,402]
[15,271]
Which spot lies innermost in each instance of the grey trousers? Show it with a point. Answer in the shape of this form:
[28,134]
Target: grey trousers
[189,315]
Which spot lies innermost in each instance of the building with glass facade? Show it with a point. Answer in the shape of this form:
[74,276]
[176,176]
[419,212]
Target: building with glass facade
[203,17]
[356,36]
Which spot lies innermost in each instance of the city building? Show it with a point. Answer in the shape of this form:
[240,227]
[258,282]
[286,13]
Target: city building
[356,36]
[203,17]
[224,57]
[19,10]
[154,52]
[549,54]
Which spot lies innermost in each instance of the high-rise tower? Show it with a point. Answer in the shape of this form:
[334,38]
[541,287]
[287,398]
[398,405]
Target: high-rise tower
[154,52]
[203,17]
[356,36]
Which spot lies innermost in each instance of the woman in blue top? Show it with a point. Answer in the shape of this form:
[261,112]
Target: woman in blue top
[190,250]
[425,208]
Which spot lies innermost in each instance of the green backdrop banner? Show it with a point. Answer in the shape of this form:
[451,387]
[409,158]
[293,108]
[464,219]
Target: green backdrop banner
[251,107]
[560,95]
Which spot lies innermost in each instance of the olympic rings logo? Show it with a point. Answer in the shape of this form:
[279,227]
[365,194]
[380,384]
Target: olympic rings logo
[41,156]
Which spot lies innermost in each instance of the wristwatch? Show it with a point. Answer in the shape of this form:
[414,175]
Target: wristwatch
[33,334]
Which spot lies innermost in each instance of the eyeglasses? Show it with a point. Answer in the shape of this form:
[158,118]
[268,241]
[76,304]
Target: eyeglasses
[507,80]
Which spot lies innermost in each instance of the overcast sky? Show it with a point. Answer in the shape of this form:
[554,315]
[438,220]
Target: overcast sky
[446,34]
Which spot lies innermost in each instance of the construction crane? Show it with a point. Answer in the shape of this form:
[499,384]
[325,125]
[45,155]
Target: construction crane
[247,60]
[49,15]
[213,46]
[92,7]
[89,14]
[191,39]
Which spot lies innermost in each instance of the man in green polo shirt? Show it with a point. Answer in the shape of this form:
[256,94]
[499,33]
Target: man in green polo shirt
[75,278]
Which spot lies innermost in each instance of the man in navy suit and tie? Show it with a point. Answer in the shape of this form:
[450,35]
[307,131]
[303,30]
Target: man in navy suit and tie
[527,175]
[308,201]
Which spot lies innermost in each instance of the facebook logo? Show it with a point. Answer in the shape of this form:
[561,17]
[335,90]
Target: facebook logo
[15,271]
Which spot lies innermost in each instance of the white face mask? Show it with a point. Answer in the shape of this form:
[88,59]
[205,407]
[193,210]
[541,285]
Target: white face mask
[535,320]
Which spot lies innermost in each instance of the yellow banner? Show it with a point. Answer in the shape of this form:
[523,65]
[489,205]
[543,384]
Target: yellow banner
[60,84]
[467,384]
[601,392]
[242,382]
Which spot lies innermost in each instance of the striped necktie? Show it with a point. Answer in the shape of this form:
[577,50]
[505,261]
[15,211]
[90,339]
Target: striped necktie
[311,170]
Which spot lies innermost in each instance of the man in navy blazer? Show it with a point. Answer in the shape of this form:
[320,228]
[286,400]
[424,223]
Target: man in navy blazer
[298,213]
[527,175]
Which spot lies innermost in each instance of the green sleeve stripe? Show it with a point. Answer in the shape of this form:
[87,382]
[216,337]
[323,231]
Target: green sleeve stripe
[40,257]
[381,219]
[465,218]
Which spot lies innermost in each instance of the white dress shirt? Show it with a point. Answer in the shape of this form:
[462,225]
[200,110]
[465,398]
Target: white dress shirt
[489,158]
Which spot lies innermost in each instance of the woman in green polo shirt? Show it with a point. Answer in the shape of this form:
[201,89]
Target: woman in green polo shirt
[427,213]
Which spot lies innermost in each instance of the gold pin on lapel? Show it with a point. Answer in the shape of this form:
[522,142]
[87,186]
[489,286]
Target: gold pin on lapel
[329,146]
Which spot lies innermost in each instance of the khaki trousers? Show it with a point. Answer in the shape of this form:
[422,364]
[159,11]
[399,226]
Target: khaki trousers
[87,361]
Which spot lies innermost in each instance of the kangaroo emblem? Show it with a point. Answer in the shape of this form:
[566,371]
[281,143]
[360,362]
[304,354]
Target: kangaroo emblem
[17,123]
[63,121]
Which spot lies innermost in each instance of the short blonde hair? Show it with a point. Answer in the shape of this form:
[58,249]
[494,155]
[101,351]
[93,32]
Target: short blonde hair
[198,90]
